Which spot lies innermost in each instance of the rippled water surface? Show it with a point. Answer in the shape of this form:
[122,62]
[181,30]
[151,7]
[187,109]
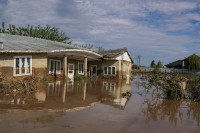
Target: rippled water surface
[98,106]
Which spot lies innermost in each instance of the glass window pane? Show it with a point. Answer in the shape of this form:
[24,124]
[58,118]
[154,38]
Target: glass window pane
[23,65]
[17,65]
[58,67]
[52,66]
[109,70]
[113,70]
[105,70]
[82,68]
[94,70]
[28,65]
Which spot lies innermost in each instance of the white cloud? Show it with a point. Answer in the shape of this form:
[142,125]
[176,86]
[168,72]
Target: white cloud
[169,7]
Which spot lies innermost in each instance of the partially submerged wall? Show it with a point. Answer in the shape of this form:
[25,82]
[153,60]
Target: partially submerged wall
[39,64]
[124,69]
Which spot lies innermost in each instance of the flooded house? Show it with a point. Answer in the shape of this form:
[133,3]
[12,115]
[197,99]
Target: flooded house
[22,56]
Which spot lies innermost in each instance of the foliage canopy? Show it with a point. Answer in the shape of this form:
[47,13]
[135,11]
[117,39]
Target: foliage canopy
[192,62]
[47,32]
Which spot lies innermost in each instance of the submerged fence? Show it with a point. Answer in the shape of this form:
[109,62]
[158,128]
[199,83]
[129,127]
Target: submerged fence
[168,70]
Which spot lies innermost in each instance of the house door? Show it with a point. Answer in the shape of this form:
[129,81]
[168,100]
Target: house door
[93,71]
[71,71]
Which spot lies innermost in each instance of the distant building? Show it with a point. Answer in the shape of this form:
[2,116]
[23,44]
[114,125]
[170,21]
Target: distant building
[176,64]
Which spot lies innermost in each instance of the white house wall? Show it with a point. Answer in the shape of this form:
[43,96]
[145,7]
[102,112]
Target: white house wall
[124,57]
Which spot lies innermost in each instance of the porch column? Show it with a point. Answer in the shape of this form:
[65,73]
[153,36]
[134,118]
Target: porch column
[85,66]
[65,72]
[64,90]
[84,90]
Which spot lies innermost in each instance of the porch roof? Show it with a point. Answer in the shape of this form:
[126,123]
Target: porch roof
[76,54]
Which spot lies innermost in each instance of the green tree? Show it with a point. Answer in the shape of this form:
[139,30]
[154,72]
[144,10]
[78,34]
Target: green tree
[3,27]
[100,49]
[159,65]
[47,32]
[153,65]
[134,66]
[192,62]
[88,46]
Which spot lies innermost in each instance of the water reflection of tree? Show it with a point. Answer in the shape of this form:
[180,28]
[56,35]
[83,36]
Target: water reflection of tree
[194,110]
[161,109]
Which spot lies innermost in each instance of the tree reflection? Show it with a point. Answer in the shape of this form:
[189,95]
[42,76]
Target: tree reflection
[161,109]
[194,110]
[172,110]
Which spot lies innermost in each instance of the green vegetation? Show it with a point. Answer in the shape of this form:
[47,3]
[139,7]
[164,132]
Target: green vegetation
[193,62]
[88,46]
[100,49]
[45,76]
[81,78]
[159,64]
[193,88]
[134,66]
[47,32]
[153,65]
[171,85]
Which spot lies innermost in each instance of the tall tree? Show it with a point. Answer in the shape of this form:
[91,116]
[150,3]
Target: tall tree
[100,49]
[193,62]
[159,65]
[153,65]
[47,32]
[3,27]
[88,46]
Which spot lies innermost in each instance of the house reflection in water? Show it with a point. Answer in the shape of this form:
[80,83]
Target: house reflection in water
[116,90]
[63,94]
[54,89]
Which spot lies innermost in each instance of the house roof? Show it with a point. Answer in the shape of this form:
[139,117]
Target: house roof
[114,53]
[16,42]
[175,64]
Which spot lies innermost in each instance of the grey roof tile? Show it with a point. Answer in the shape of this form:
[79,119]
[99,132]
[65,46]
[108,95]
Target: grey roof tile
[15,42]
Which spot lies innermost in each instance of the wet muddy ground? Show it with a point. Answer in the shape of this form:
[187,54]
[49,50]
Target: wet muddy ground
[97,107]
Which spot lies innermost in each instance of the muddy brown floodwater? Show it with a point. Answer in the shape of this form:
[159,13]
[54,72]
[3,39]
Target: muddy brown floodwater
[97,106]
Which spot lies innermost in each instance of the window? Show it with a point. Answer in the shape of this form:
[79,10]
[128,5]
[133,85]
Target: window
[109,86]
[80,68]
[55,66]
[22,65]
[109,70]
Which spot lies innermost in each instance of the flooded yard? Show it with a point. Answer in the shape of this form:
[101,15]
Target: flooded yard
[97,106]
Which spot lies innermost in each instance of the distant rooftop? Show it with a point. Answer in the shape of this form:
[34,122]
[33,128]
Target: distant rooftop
[175,64]
[16,42]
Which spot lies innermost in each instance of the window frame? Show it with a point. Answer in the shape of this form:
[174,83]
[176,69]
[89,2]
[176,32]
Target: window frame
[81,73]
[57,71]
[20,65]
[107,68]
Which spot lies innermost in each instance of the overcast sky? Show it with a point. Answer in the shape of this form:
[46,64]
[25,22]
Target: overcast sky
[164,30]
